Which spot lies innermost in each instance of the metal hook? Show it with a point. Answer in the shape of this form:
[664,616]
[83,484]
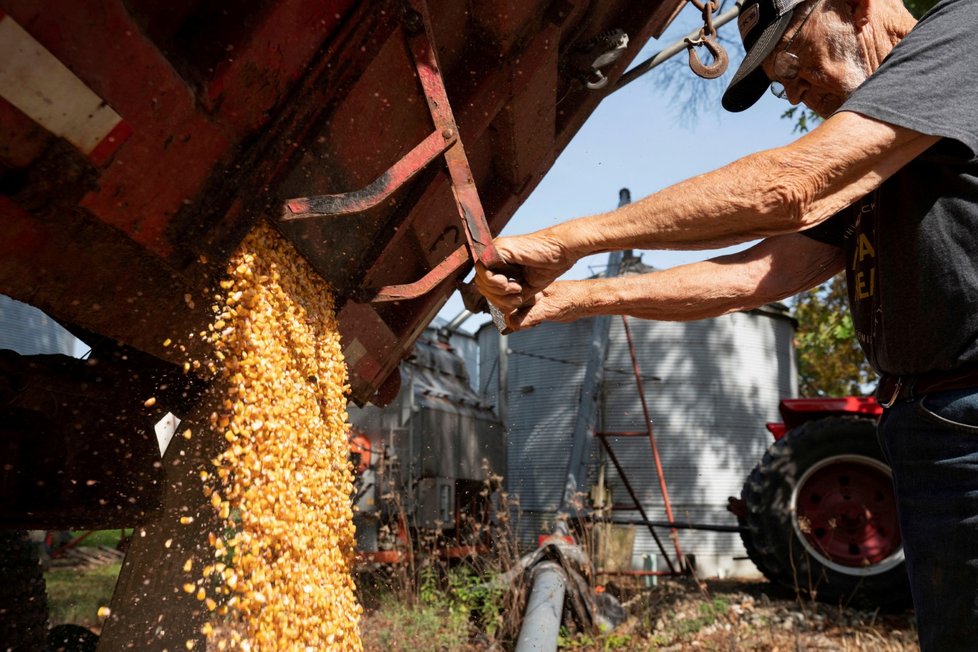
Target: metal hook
[597,81]
[720,58]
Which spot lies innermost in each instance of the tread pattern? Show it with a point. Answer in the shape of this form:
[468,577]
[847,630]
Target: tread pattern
[770,538]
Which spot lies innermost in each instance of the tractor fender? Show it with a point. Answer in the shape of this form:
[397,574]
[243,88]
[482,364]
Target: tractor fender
[796,411]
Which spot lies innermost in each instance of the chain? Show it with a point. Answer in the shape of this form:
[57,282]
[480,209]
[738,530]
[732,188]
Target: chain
[707,38]
[707,9]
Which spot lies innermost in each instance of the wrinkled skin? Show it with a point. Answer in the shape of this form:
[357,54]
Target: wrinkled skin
[772,193]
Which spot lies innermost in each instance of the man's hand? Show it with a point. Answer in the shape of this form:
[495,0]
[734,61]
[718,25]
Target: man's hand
[541,258]
[562,301]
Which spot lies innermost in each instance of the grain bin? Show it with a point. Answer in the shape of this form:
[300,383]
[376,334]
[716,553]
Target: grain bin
[711,385]
[28,331]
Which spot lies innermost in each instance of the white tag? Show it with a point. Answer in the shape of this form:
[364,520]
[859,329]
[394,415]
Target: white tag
[165,429]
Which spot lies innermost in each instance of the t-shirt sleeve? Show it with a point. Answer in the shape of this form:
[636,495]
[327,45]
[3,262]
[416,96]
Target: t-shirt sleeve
[929,82]
[830,232]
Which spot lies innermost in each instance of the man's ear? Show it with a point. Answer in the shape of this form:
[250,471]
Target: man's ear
[860,11]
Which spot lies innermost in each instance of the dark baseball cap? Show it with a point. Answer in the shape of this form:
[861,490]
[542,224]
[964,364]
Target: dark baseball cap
[761,23]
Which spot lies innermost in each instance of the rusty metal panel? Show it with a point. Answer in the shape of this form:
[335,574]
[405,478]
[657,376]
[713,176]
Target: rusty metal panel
[525,129]
[228,118]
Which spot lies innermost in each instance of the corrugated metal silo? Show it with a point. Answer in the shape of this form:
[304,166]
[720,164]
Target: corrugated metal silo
[28,331]
[711,385]
[546,370]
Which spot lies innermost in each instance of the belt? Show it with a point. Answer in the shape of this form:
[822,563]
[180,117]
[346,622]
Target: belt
[894,388]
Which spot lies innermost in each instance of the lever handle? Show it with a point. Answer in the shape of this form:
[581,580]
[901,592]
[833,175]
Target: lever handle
[475,302]
[492,261]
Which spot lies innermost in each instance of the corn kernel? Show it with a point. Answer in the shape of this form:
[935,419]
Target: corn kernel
[283,482]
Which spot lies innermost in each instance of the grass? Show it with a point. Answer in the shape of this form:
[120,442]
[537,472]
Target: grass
[75,595]
[589,643]
[709,612]
[109,538]
[402,627]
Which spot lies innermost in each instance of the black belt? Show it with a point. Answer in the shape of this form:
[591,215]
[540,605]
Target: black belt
[893,388]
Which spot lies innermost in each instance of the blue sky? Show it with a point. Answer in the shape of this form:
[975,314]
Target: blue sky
[636,139]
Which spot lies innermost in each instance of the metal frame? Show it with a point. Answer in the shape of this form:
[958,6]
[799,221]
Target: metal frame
[603,438]
[442,141]
[585,424]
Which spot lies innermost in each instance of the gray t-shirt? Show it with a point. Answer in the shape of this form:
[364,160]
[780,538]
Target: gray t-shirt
[912,245]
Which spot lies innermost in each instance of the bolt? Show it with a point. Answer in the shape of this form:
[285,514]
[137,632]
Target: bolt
[448,134]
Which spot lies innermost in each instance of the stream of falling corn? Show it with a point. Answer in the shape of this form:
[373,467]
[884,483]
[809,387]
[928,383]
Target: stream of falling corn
[282,486]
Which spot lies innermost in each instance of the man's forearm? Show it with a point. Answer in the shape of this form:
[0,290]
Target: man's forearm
[771,270]
[684,293]
[774,192]
[707,212]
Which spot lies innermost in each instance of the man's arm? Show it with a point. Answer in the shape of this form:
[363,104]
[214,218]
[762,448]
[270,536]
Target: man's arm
[774,269]
[777,191]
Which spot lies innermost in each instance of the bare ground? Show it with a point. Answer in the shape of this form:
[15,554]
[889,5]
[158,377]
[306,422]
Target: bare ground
[753,615]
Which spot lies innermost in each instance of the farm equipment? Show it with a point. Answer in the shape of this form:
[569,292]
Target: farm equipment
[141,141]
[428,462]
[818,512]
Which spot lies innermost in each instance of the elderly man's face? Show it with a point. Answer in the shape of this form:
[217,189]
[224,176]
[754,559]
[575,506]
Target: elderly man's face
[830,61]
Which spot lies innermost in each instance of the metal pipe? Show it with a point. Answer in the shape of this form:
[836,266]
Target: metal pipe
[457,321]
[671,50]
[638,504]
[544,609]
[502,402]
[676,524]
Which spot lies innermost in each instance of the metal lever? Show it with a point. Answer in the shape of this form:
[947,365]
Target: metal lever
[475,302]
[499,320]
[443,141]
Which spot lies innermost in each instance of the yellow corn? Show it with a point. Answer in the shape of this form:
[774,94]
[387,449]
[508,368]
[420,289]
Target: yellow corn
[283,482]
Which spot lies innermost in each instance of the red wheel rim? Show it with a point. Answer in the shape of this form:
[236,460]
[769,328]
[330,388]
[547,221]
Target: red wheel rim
[845,513]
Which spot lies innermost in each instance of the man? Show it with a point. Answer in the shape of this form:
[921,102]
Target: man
[885,188]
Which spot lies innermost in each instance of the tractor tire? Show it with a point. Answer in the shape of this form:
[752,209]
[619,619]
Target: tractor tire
[821,516]
[23,600]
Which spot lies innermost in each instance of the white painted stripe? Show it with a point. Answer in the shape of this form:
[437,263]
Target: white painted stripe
[35,82]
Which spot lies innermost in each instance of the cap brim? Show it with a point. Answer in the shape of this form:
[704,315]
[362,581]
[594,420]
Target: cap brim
[750,80]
